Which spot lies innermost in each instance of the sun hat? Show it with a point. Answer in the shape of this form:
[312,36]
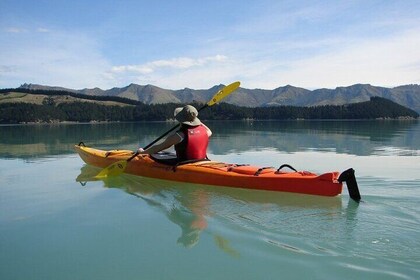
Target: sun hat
[187,115]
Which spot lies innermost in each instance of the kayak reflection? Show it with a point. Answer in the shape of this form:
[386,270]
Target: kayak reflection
[185,207]
[190,206]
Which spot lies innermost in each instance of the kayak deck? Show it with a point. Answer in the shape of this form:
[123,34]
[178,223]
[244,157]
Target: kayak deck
[219,173]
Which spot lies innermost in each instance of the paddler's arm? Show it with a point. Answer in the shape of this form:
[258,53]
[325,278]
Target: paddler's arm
[167,143]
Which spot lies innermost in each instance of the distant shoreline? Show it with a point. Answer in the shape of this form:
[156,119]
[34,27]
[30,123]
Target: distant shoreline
[403,119]
[47,107]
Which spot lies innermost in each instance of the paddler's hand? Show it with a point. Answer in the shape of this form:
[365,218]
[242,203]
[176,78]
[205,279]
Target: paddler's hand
[140,150]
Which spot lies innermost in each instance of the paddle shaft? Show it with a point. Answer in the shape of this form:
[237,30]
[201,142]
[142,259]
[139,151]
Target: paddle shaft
[163,135]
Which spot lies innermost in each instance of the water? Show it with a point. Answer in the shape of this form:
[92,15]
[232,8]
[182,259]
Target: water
[58,223]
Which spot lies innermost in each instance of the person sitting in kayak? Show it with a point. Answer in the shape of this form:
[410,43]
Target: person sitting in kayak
[190,141]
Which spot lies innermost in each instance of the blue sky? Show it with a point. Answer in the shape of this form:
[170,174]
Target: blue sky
[198,44]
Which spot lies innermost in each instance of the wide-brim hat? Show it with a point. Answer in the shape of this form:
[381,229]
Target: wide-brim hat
[187,115]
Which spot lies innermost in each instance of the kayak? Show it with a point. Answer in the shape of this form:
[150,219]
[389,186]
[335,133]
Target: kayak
[217,173]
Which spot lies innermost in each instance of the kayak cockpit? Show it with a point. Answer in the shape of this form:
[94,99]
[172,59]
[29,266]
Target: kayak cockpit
[171,159]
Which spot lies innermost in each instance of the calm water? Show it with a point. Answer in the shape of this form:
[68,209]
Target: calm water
[57,223]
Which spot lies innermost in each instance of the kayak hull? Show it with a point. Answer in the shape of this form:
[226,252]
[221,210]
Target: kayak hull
[218,173]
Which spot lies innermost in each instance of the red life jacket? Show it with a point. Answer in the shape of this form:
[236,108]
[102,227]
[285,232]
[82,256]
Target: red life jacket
[194,145]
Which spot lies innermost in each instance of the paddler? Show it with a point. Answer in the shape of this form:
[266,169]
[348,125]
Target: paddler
[190,141]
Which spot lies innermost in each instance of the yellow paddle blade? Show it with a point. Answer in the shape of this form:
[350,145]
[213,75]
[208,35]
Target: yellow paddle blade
[223,93]
[114,169]
[223,244]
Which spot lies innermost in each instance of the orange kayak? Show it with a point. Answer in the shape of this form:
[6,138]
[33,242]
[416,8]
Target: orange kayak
[220,174]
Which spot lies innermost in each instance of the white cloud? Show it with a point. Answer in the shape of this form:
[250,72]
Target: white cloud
[14,30]
[24,30]
[174,63]
[64,59]
[262,52]
[388,61]
[197,78]
[42,30]
[141,69]
[336,61]
[180,72]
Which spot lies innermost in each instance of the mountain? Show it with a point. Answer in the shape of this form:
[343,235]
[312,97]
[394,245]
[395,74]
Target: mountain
[406,95]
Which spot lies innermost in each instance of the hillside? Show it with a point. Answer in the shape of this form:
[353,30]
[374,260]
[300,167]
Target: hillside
[406,95]
[45,106]
[43,99]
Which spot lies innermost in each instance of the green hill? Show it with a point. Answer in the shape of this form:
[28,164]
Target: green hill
[27,106]
[407,95]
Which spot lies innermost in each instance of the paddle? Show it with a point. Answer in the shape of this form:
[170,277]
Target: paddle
[118,167]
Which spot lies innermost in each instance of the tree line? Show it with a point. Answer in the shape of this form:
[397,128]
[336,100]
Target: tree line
[73,94]
[12,113]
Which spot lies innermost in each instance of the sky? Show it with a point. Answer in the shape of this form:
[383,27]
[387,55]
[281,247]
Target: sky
[198,44]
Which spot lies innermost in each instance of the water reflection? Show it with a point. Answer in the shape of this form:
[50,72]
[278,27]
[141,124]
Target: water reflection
[191,206]
[32,141]
[351,137]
